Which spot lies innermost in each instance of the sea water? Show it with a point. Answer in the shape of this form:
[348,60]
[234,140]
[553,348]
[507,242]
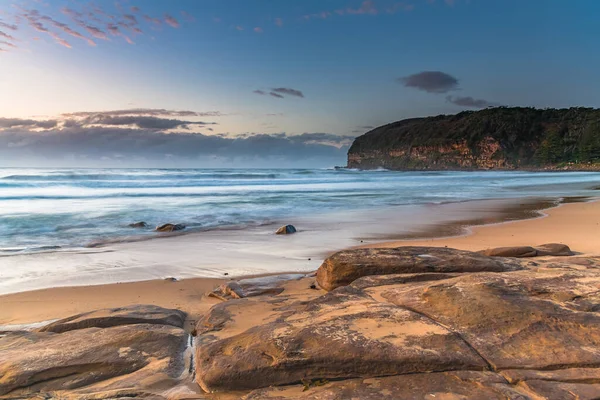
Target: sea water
[52,209]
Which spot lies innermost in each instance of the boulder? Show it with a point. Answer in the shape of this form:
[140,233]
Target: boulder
[121,357]
[553,249]
[442,385]
[170,228]
[517,251]
[346,266]
[344,334]
[550,249]
[136,314]
[286,230]
[140,224]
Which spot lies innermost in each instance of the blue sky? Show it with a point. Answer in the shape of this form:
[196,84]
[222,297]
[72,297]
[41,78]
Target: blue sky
[335,68]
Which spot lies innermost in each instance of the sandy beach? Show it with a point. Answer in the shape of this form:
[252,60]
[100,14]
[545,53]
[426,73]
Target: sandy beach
[575,224]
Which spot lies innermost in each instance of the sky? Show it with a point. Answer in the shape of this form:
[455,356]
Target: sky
[271,83]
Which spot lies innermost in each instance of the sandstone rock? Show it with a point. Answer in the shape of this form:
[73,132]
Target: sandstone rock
[286,230]
[519,252]
[553,249]
[550,249]
[170,228]
[517,320]
[344,334]
[346,266]
[136,314]
[443,385]
[41,362]
[140,224]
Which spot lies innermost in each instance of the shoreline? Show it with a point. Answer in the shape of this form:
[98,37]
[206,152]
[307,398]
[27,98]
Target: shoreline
[189,294]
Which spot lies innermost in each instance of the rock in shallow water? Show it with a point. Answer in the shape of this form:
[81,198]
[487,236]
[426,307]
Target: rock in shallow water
[170,228]
[140,224]
[286,230]
[346,266]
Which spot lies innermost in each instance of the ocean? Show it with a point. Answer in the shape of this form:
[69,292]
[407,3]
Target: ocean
[54,209]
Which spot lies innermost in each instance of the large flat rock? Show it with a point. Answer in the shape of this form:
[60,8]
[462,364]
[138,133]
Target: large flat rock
[520,320]
[341,335]
[346,266]
[42,362]
[134,314]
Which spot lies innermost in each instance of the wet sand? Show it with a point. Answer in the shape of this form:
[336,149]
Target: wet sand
[575,224]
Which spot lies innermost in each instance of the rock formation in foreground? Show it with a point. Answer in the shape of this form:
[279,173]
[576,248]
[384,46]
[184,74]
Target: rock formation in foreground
[494,138]
[405,323]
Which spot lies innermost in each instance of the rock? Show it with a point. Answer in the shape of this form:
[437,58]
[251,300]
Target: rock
[170,228]
[346,266]
[516,320]
[110,359]
[442,385]
[286,230]
[137,314]
[267,285]
[140,224]
[551,249]
[519,252]
[341,335]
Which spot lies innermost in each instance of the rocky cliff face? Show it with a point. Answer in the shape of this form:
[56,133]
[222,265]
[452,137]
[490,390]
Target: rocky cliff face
[499,138]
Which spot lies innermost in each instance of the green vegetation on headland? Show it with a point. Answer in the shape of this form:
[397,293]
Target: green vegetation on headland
[494,138]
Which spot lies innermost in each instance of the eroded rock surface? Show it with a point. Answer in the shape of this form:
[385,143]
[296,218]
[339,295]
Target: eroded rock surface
[549,249]
[135,314]
[346,266]
[467,327]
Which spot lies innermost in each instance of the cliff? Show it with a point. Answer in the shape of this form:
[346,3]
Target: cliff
[494,138]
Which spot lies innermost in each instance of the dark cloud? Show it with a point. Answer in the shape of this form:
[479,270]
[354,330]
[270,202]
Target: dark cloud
[276,95]
[431,81]
[470,102]
[30,123]
[95,144]
[147,112]
[142,122]
[288,91]
[258,91]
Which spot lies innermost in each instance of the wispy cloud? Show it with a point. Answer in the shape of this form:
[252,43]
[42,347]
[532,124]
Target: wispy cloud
[279,22]
[258,91]
[288,91]
[147,112]
[431,81]
[169,20]
[258,29]
[276,95]
[6,36]
[188,17]
[66,29]
[8,26]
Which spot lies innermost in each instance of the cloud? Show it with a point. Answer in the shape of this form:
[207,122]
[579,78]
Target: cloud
[147,112]
[367,7]
[66,29]
[6,36]
[276,95]
[8,26]
[288,91]
[258,91]
[258,29]
[239,28]
[171,21]
[101,145]
[142,122]
[152,20]
[470,102]
[30,123]
[431,81]
[4,43]
[279,22]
